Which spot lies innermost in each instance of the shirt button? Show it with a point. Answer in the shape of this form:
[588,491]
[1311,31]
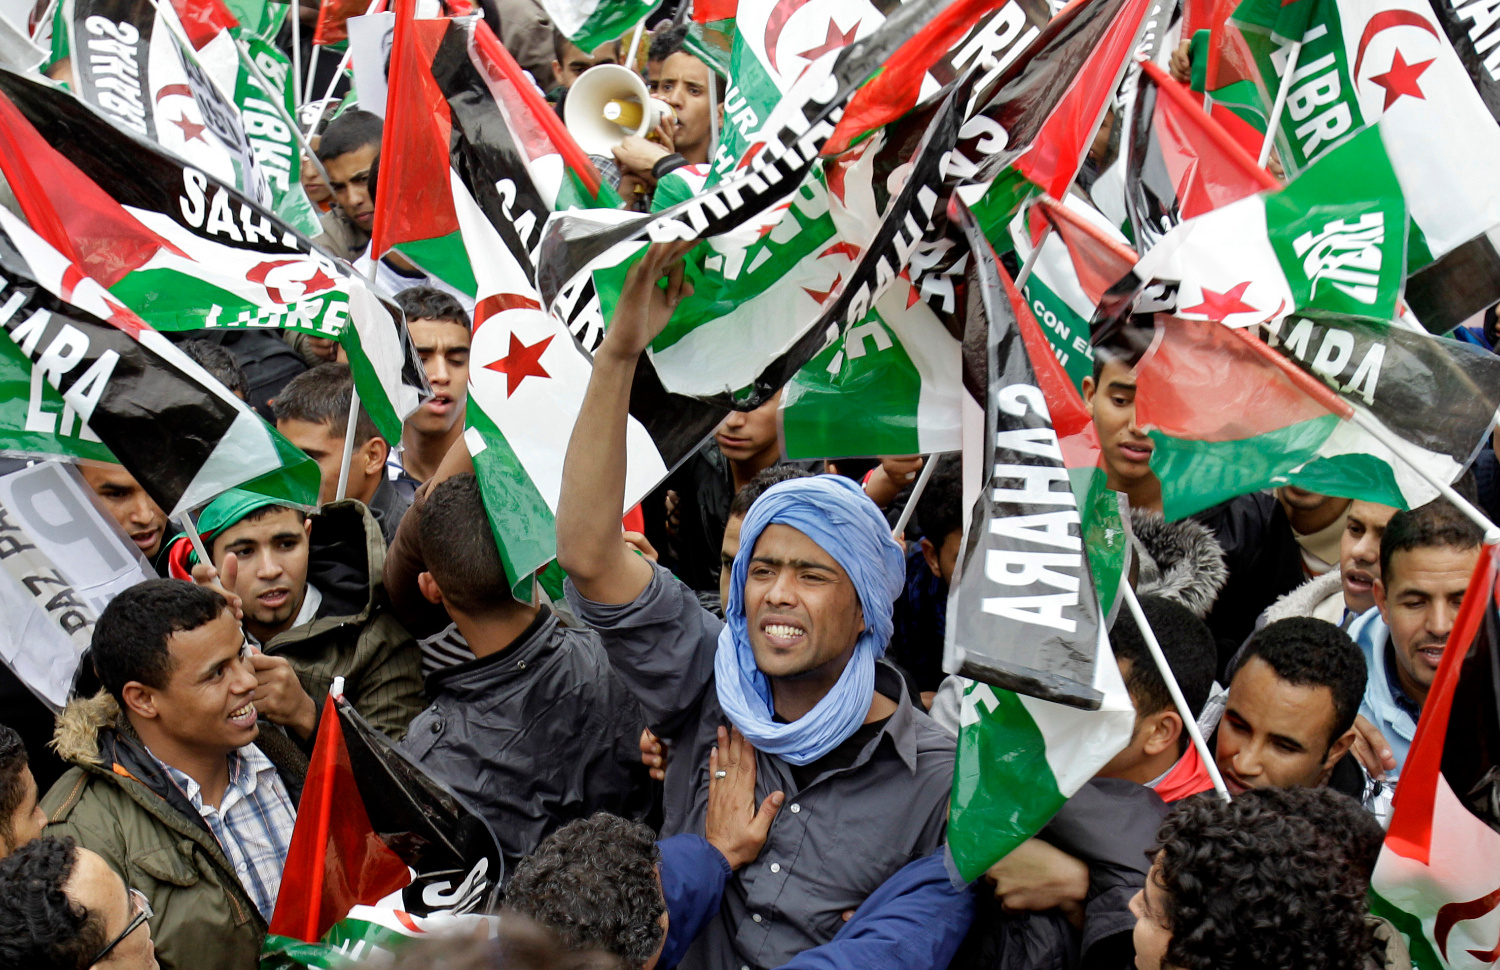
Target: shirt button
[437,727]
[796,808]
[775,867]
[521,665]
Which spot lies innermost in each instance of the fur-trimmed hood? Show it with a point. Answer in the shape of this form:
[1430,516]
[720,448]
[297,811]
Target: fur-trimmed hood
[76,739]
[1305,598]
[1179,561]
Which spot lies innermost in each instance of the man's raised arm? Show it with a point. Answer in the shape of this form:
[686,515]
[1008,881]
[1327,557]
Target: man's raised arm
[589,545]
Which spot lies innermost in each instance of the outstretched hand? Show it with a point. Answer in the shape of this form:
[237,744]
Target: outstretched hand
[733,825]
[645,307]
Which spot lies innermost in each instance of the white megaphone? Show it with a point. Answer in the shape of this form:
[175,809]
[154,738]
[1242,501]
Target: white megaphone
[607,103]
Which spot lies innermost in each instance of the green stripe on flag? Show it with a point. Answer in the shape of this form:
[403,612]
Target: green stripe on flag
[1201,474]
[444,257]
[1104,536]
[842,407]
[1423,956]
[25,421]
[1003,787]
[296,480]
[520,518]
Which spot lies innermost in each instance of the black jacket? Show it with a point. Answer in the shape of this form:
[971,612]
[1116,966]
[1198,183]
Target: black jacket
[535,736]
[1264,562]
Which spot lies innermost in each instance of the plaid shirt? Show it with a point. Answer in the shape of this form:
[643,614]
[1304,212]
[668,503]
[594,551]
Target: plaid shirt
[253,822]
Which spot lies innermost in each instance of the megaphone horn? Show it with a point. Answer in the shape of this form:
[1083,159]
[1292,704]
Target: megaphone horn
[606,104]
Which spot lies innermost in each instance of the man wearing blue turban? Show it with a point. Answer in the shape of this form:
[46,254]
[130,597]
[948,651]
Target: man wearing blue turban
[795,666]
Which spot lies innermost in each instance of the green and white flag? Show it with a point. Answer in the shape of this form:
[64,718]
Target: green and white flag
[1333,240]
[188,253]
[589,23]
[1044,556]
[272,140]
[1386,64]
[889,386]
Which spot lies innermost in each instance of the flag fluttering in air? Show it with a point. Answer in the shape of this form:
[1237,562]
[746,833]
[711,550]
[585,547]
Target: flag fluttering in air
[1028,616]
[381,855]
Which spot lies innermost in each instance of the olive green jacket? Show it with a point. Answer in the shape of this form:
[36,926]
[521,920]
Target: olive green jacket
[354,635]
[118,802]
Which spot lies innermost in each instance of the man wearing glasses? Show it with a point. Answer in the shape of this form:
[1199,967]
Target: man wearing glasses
[63,908]
[176,783]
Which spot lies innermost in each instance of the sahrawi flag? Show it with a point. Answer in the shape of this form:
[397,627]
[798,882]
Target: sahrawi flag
[186,252]
[132,61]
[1438,876]
[589,23]
[1333,240]
[1028,615]
[179,431]
[382,855]
[1386,64]
[1230,414]
[527,373]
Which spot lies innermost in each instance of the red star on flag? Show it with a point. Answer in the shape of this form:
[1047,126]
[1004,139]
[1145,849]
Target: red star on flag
[521,363]
[832,42]
[1401,79]
[190,130]
[319,280]
[1217,306]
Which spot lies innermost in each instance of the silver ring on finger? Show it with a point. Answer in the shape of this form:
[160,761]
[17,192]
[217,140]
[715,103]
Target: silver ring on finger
[720,773]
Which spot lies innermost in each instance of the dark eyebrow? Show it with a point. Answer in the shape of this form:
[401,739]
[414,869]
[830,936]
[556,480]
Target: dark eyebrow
[1121,386]
[1293,742]
[799,563]
[289,534]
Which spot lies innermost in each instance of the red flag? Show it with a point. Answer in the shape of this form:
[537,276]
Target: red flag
[337,860]
[333,19]
[707,11]
[1058,151]
[414,200]
[1099,261]
[894,91]
[1208,167]
[67,208]
[203,19]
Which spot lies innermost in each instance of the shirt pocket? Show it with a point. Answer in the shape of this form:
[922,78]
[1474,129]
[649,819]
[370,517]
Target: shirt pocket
[168,864]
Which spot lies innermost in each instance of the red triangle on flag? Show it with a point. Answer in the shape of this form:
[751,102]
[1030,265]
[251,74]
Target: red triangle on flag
[68,209]
[1208,166]
[415,198]
[337,860]
[1058,150]
[203,20]
[1099,261]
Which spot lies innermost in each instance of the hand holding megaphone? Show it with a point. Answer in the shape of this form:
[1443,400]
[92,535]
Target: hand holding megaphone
[608,103]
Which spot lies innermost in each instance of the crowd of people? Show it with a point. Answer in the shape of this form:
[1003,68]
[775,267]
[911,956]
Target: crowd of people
[731,743]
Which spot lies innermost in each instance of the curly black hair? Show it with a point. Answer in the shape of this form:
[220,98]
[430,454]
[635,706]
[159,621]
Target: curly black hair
[593,883]
[1313,653]
[13,762]
[40,927]
[1265,882]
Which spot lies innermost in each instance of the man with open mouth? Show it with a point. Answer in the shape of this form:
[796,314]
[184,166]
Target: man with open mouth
[794,666]
[175,779]
[312,592]
[1426,558]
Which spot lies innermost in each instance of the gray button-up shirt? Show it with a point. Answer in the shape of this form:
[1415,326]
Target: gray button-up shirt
[833,843]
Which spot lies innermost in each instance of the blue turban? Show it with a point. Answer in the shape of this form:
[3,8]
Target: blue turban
[836,514]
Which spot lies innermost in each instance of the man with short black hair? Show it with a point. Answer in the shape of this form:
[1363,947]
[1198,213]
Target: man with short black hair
[214,358]
[21,818]
[1289,716]
[63,908]
[686,140]
[348,150]
[313,596]
[1160,754]
[312,412]
[175,781]
[537,729]
[440,331]
[921,614]
[1427,557]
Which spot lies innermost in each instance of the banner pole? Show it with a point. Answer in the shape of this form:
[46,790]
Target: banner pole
[1032,257]
[349,431]
[296,12]
[1280,104]
[281,110]
[185,523]
[328,93]
[1189,722]
[312,71]
[928,464]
